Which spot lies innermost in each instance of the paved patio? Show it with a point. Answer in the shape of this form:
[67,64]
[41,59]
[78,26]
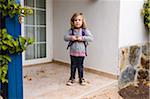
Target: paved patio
[48,81]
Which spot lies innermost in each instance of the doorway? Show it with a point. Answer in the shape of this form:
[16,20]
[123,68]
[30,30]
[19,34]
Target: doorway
[36,26]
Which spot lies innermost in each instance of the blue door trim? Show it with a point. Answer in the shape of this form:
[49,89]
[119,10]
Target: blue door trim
[15,82]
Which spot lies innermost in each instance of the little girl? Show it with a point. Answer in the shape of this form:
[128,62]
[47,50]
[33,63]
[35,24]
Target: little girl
[78,36]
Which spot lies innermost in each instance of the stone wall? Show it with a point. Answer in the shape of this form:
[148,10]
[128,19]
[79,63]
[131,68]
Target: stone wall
[134,63]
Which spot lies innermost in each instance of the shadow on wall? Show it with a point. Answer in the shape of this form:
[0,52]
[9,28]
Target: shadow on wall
[134,64]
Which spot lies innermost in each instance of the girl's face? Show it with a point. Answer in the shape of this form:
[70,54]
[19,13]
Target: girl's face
[78,21]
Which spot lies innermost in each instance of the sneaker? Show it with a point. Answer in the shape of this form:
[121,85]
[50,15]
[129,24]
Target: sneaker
[70,82]
[82,82]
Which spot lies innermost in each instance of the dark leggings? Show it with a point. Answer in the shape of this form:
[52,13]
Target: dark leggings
[76,62]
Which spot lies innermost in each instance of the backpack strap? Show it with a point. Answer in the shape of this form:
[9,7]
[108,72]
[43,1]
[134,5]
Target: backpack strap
[85,43]
[70,42]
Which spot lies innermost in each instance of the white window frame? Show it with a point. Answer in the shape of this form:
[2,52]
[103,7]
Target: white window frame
[49,35]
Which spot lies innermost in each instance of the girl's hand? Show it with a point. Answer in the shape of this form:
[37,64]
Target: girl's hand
[74,38]
[79,38]
[20,19]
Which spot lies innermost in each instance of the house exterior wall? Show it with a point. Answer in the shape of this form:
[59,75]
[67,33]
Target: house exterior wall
[131,27]
[102,18]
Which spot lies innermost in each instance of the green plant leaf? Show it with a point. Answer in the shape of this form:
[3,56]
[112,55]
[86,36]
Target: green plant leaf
[4,47]
[7,58]
[16,43]
[22,40]
[30,41]
[9,37]
[0,71]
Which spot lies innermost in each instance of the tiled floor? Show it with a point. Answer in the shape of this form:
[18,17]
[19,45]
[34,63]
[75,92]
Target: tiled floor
[109,92]
[48,81]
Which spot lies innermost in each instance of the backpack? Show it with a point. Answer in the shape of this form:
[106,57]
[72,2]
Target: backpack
[85,43]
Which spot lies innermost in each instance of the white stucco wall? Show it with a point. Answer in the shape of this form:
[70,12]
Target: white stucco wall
[102,18]
[131,27]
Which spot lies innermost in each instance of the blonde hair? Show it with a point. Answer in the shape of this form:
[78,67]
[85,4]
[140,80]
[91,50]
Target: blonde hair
[84,25]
